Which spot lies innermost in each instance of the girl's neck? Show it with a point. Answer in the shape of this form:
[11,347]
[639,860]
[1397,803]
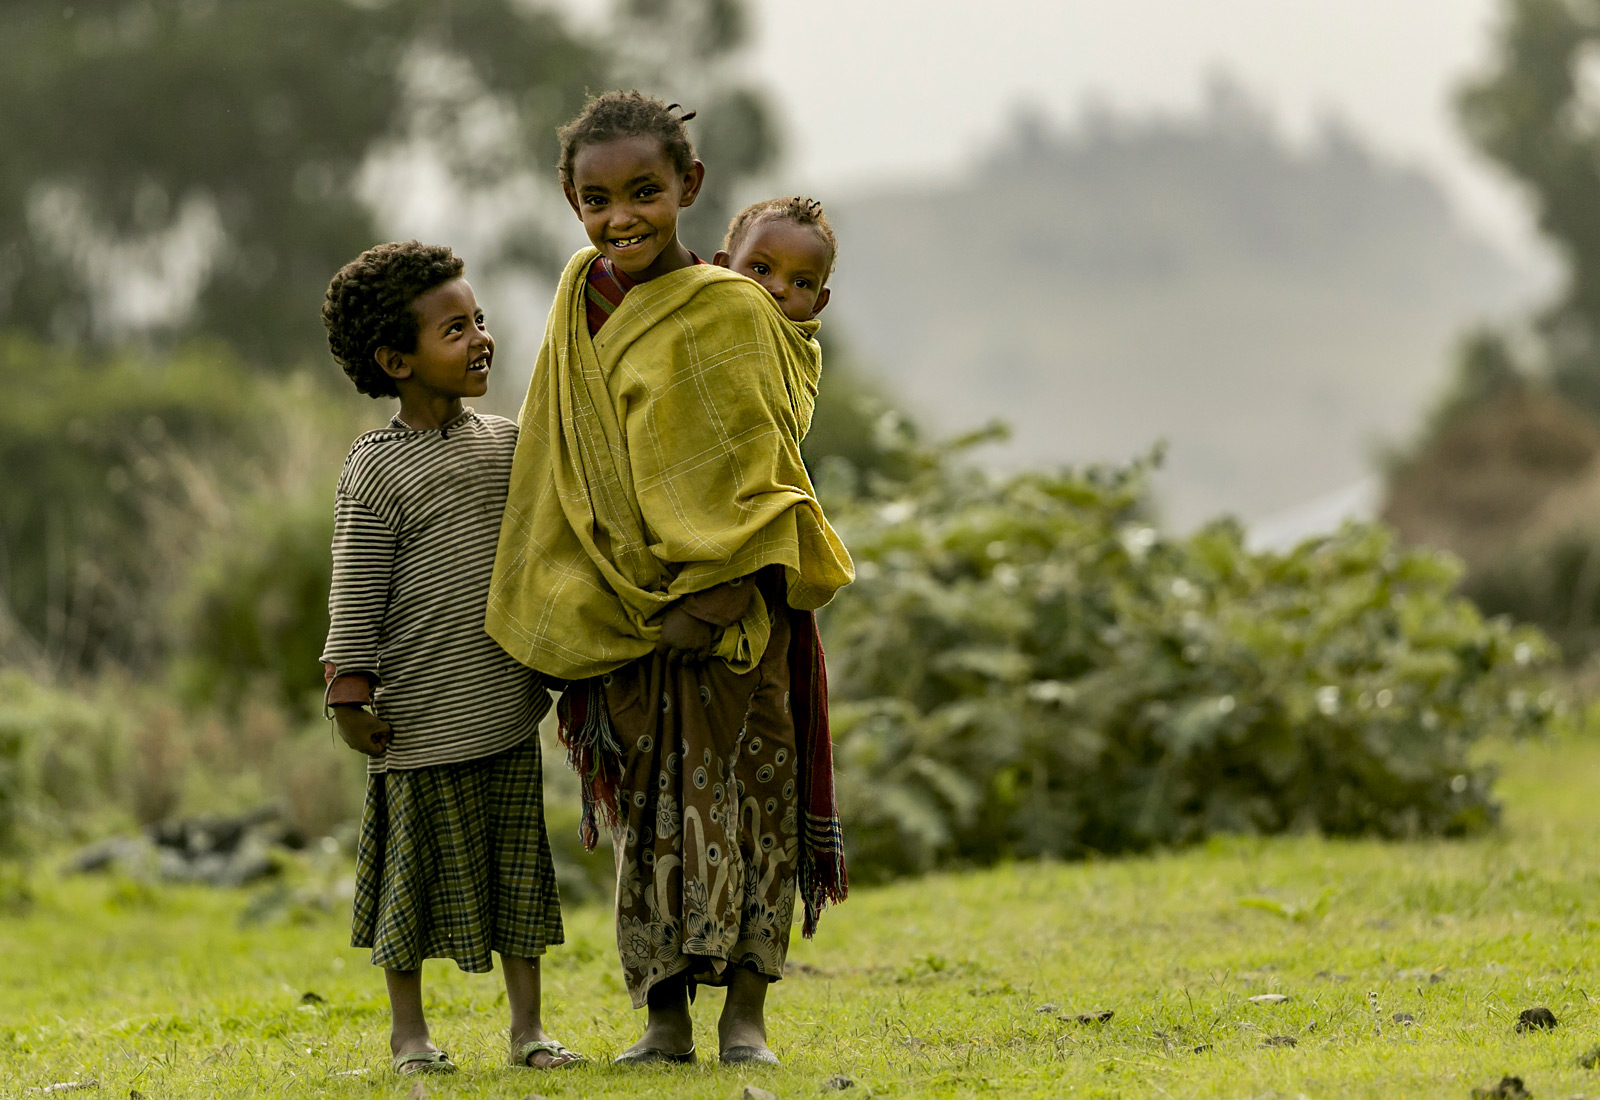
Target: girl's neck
[426,413]
[674,257]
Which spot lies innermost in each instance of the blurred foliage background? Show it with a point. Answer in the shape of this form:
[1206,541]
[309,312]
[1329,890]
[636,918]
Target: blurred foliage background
[1027,666]
[1504,473]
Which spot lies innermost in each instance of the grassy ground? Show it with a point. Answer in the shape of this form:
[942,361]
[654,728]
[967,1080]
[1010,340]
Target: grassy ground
[952,986]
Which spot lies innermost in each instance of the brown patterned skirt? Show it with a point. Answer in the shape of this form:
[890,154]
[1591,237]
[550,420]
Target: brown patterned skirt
[708,835]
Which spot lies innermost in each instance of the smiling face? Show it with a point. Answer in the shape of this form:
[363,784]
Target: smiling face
[628,194]
[454,350]
[790,260]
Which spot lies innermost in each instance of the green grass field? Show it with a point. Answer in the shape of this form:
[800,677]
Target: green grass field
[958,985]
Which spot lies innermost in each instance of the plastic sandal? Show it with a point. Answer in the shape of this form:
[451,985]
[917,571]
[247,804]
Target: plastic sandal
[423,1061]
[520,1056]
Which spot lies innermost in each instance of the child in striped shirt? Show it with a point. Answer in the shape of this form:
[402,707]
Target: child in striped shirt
[453,860]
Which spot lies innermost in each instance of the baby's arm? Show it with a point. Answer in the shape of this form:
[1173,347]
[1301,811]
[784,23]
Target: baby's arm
[363,562]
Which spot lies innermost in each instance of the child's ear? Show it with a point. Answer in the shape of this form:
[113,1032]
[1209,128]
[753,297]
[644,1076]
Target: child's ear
[572,199]
[392,363]
[692,180]
[822,301]
[722,259]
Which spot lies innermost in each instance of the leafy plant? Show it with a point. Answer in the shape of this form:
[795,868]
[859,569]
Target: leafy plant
[1025,666]
[90,443]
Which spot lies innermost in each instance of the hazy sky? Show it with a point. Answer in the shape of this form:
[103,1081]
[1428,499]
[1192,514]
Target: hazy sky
[894,89]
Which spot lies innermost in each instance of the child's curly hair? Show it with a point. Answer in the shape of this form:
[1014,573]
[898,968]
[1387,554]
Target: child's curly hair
[800,209]
[368,306]
[627,114]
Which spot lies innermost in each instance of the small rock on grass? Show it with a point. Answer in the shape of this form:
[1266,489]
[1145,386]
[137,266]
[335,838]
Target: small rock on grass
[1048,1006]
[1590,1059]
[1509,1088]
[752,1092]
[838,1082]
[1539,1018]
[1422,974]
[310,998]
[1282,1041]
[68,1086]
[1269,998]
[1101,1017]
[1403,1018]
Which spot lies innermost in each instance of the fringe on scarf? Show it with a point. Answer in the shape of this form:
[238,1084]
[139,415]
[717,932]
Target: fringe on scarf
[823,877]
[594,752]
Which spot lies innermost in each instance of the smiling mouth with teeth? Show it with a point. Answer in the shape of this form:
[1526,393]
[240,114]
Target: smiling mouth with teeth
[626,242]
[481,363]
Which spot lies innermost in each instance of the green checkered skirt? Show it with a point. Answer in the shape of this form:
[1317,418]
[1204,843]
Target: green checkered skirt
[454,863]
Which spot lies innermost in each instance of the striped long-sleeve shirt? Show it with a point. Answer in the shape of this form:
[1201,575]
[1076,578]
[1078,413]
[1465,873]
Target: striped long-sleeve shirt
[416,522]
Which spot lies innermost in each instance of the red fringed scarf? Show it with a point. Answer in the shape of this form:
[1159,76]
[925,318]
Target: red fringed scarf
[595,754]
[823,876]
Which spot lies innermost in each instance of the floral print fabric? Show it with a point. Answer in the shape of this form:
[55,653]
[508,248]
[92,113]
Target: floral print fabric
[708,832]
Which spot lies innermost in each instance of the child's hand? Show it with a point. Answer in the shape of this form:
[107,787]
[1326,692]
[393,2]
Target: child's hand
[684,637]
[362,730]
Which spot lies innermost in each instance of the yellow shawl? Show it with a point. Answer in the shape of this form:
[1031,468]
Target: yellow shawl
[658,459]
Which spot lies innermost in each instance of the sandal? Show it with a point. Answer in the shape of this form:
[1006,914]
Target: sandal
[423,1061]
[650,1056]
[520,1056]
[749,1056]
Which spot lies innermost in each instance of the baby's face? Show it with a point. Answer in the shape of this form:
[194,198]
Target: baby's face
[790,260]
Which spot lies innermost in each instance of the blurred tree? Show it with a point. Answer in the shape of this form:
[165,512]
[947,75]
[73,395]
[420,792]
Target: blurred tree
[677,49]
[1537,113]
[200,166]
[1504,473]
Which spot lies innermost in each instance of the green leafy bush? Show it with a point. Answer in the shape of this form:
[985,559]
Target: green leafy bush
[253,614]
[92,446]
[63,762]
[105,755]
[1027,667]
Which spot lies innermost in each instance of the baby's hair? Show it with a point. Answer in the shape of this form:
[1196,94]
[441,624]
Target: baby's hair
[627,114]
[368,306]
[800,209]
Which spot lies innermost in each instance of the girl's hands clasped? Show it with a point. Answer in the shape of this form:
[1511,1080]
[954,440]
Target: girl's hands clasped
[362,730]
[684,637]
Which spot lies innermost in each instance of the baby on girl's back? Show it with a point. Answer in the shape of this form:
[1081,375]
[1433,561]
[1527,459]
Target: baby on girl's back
[788,247]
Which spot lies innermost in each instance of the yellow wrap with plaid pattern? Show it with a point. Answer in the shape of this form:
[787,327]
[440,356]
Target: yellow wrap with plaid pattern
[657,459]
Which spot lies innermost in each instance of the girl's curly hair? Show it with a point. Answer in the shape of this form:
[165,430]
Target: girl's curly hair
[800,209]
[627,114]
[368,306]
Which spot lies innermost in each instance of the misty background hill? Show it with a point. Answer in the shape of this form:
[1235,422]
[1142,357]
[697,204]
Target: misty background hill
[1276,313]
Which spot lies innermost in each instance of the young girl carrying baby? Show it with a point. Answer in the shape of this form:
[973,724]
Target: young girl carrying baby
[663,550]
